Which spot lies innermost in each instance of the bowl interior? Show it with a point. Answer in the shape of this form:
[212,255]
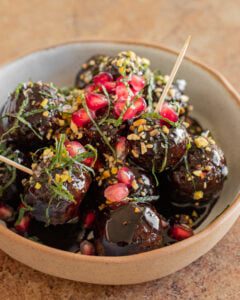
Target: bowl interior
[214,106]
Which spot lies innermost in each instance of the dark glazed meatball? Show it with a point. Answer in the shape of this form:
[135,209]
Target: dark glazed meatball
[201,174]
[57,187]
[32,114]
[129,229]
[156,147]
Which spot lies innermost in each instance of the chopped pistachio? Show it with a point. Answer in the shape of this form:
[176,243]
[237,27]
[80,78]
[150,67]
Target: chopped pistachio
[154,132]
[45,113]
[165,129]
[139,122]
[201,142]
[135,185]
[133,137]
[135,153]
[38,186]
[143,148]
[198,195]
[44,102]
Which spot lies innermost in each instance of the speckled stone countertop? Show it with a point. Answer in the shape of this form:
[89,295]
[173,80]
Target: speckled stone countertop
[214,25]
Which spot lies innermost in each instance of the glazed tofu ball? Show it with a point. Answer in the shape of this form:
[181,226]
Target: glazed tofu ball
[32,114]
[58,185]
[128,229]
[201,175]
[156,147]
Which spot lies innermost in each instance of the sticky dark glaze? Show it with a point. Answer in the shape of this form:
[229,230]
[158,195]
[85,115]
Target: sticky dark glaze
[129,229]
[204,169]
[163,149]
[27,103]
[58,210]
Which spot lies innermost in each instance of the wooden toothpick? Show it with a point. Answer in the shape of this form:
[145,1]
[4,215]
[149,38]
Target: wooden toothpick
[173,74]
[15,165]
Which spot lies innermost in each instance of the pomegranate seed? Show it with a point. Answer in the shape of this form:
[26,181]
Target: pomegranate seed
[110,86]
[102,78]
[180,232]
[168,113]
[137,83]
[91,88]
[121,148]
[87,248]
[136,108]
[105,79]
[116,192]
[121,91]
[23,225]
[119,107]
[6,212]
[96,101]
[81,118]
[74,148]
[89,161]
[89,220]
[126,176]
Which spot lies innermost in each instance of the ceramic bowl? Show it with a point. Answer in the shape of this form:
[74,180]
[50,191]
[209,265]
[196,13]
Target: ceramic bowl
[216,105]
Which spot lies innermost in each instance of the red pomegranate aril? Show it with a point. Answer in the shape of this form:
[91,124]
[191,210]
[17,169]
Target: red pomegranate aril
[91,88]
[137,107]
[23,225]
[89,219]
[81,118]
[116,192]
[110,86]
[180,232]
[105,79]
[6,212]
[96,101]
[168,113]
[74,148]
[102,78]
[88,161]
[121,148]
[137,83]
[121,91]
[87,248]
[126,176]
[119,106]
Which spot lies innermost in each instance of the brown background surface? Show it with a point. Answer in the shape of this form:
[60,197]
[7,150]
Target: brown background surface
[214,25]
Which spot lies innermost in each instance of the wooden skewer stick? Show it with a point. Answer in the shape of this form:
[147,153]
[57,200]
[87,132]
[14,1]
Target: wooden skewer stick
[173,74]
[16,165]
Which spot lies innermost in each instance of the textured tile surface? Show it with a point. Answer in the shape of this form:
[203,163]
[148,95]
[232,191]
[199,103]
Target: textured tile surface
[215,25]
